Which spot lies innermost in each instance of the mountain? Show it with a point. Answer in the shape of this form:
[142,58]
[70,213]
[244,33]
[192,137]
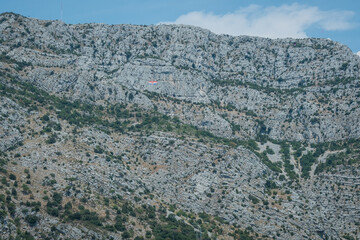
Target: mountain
[241,137]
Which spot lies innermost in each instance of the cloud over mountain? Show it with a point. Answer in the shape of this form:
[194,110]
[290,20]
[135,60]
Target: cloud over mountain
[273,22]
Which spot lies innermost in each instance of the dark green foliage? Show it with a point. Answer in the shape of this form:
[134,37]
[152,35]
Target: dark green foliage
[252,145]
[306,162]
[120,223]
[126,235]
[269,150]
[230,107]
[87,216]
[344,66]
[285,150]
[296,145]
[235,127]
[253,199]
[250,113]
[204,216]
[173,229]
[3,214]
[52,210]
[128,209]
[20,65]
[98,150]
[25,189]
[68,206]
[31,219]
[314,121]
[35,205]
[4,181]
[45,118]
[261,128]
[52,139]
[334,160]
[11,208]
[242,235]
[319,150]
[13,192]
[148,234]
[2,162]
[345,158]
[57,198]
[25,236]
[298,152]
[52,126]
[53,207]
[149,211]
[347,236]
[289,168]
[270,184]
[131,96]
[273,166]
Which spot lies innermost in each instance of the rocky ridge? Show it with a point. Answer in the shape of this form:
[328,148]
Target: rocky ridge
[239,133]
[103,63]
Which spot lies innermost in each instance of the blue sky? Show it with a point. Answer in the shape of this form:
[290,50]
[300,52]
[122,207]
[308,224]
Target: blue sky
[337,20]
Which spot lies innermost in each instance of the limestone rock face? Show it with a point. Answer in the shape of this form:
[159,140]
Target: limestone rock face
[225,131]
[11,117]
[291,85]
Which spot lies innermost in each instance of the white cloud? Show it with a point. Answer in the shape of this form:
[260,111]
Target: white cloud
[358,53]
[273,22]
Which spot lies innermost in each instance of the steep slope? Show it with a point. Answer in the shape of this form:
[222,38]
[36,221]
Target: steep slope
[101,62]
[242,137]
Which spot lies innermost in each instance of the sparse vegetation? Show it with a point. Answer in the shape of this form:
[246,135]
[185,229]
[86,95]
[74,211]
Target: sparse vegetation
[119,161]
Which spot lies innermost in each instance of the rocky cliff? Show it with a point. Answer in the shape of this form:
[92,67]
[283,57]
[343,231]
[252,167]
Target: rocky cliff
[241,137]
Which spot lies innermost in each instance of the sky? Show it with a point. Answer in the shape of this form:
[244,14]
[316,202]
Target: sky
[334,19]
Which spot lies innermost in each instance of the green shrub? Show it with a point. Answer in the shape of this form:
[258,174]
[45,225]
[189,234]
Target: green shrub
[52,139]
[306,162]
[31,219]
[253,199]
[98,150]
